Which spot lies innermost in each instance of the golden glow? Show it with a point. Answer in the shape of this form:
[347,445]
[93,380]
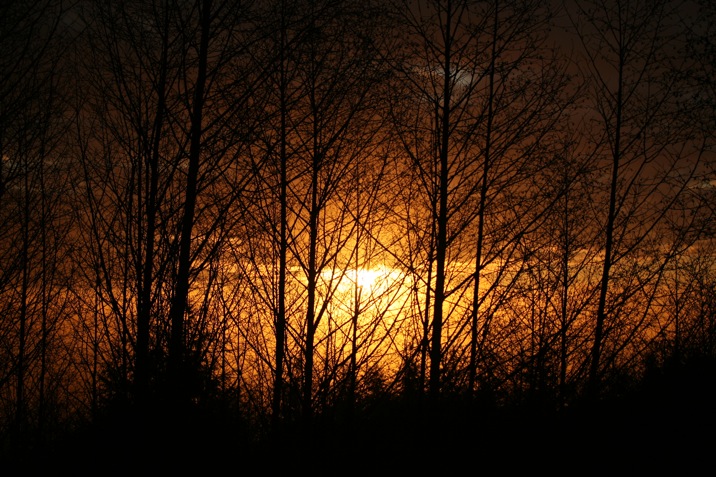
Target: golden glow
[371,281]
[366,278]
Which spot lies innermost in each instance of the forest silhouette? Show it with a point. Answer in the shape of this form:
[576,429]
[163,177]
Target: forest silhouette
[357,236]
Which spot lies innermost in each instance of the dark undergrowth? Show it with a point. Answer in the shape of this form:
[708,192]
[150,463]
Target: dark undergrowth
[664,424]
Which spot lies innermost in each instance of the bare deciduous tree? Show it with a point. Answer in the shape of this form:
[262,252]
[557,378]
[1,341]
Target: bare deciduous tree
[631,55]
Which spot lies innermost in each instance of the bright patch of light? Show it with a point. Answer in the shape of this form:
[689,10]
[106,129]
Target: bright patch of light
[373,281]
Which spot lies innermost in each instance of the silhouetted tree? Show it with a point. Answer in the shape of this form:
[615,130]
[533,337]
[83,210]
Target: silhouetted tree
[33,211]
[631,55]
[168,93]
[482,97]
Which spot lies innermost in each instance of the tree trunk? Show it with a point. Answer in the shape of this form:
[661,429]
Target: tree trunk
[442,217]
[594,376]
[472,378]
[280,319]
[178,309]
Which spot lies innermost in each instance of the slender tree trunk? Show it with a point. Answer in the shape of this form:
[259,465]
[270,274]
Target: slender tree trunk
[20,406]
[311,321]
[594,376]
[442,218]
[472,378]
[44,222]
[179,302]
[353,374]
[676,356]
[564,318]
[283,239]
[425,338]
[95,354]
[357,290]
[145,306]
